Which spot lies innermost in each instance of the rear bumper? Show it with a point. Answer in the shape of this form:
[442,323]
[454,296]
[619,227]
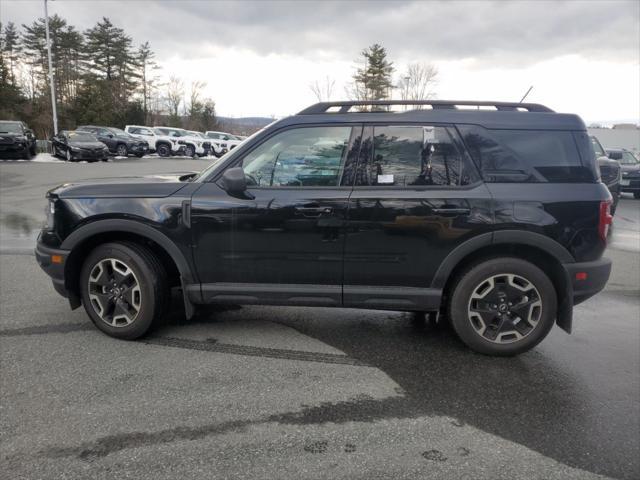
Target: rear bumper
[52,261]
[588,278]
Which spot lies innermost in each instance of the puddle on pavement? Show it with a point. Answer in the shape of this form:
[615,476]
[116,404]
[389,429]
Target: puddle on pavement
[18,231]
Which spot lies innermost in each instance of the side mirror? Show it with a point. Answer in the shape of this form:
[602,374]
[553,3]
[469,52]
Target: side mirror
[110,135]
[234,180]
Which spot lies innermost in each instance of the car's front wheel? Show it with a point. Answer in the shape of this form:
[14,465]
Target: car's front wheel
[503,306]
[124,289]
[121,150]
[190,151]
[163,150]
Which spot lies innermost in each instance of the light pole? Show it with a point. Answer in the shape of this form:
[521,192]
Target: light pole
[51,83]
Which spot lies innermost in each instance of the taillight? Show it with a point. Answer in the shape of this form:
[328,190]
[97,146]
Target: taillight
[605,219]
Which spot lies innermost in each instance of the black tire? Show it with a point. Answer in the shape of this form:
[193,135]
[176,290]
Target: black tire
[33,150]
[121,150]
[470,281]
[636,195]
[163,150]
[190,151]
[26,155]
[149,276]
[139,155]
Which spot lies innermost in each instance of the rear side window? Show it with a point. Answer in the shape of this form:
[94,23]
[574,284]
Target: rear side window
[414,155]
[526,155]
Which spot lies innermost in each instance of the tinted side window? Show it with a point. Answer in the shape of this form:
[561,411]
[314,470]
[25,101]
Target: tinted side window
[414,155]
[525,155]
[301,157]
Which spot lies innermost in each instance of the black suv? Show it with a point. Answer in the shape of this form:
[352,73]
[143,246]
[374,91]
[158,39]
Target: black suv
[118,141]
[492,214]
[630,166]
[16,140]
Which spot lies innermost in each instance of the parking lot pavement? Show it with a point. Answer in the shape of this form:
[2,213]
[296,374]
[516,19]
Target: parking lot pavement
[268,392]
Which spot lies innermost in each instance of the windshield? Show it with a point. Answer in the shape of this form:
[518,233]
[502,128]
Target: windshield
[117,131]
[196,134]
[81,137]
[628,158]
[598,148]
[10,127]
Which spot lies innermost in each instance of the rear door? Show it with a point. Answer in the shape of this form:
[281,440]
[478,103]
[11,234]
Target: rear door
[417,195]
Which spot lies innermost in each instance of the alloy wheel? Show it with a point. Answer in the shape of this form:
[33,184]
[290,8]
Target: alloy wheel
[505,308]
[68,155]
[114,292]
[122,150]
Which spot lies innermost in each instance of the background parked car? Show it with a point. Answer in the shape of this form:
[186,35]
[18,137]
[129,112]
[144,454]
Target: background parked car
[16,140]
[630,170]
[230,140]
[164,145]
[118,141]
[194,145]
[78,145]
[610,172]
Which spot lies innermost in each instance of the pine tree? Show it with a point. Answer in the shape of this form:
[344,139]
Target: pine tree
[373,81]
[148,80]
[11,50]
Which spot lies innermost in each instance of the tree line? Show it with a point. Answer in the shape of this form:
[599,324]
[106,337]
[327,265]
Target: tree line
[100,78]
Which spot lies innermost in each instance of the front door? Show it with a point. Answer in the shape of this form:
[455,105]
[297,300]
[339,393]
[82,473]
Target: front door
[283,241]
[417,195]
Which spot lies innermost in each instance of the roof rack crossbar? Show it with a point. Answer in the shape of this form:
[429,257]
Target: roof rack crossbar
[346,106]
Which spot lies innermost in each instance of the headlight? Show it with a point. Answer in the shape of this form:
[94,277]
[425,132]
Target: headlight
[50,211]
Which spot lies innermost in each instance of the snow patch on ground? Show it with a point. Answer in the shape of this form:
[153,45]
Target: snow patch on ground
[44,158]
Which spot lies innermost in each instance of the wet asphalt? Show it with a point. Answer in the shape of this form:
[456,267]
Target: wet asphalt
[270,392]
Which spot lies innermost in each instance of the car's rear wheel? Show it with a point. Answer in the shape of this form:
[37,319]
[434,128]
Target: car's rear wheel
[503,306]
[124,289]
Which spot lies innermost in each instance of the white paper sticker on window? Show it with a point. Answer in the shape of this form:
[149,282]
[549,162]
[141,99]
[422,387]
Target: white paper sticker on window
[385,179]
[429,134]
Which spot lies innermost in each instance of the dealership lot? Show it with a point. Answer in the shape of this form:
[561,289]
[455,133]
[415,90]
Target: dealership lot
[268,392]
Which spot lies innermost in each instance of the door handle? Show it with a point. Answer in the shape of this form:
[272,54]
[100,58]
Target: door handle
[313,211]
[451,212]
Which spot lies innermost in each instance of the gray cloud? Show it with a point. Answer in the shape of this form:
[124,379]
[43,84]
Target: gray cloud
[507,33]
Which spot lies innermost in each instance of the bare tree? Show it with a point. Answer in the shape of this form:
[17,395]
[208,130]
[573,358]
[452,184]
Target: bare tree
[418,82]
[175,94]
[323,89]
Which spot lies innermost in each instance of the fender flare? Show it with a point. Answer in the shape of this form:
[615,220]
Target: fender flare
[87,231]
[532,239]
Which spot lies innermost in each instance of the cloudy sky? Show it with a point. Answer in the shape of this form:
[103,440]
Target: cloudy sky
[259,58]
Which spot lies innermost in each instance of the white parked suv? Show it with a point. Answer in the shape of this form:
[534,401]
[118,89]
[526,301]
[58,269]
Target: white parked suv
[159,142]
[226,140]
[194,145]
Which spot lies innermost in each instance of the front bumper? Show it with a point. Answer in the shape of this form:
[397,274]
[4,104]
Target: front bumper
[588,278]
[53,261]
[630,184]
[10,149]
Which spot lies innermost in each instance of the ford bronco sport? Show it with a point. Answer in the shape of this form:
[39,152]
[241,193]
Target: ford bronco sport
[491,213]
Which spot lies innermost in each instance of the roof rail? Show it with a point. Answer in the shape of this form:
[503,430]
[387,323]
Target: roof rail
[346,106]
